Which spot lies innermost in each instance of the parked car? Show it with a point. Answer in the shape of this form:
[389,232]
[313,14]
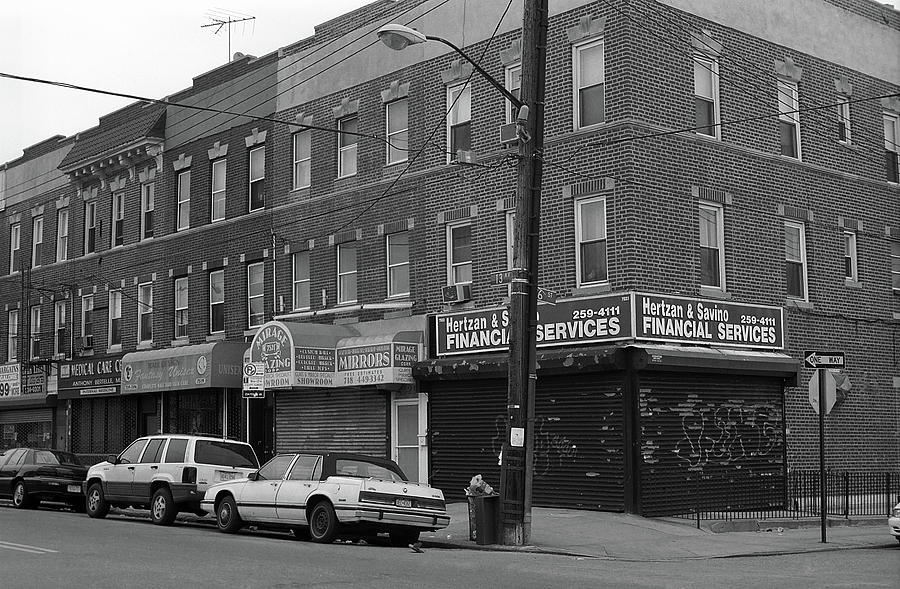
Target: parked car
[894,522]
[324,494]
[32,475]
[166,473]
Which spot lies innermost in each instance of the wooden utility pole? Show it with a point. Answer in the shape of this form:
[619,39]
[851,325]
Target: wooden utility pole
[518,447]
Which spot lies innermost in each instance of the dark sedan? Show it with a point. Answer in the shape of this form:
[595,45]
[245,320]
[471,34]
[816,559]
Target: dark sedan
[32,475]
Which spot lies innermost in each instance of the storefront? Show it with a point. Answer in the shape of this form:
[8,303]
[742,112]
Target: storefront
[341,388]
[197,388]
[638,397]
[27,416]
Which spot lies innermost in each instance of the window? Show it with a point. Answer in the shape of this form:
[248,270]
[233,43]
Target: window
[59,318]
[132,452]
[12,335]
[177,450]
[87,321]
[397,124]
[115,318]
[35,351]
[90,227]
[217,301]
[850,266]
[15,242]
[301,280]
[590,229]
[589,84]
[514,85]
[788,119]
[154,451]
[305,469]
[183,215]
[844,120]
[256,294]
[891,139]
[712,246]
[217,206]
[37,240]
[895,267]
[795,259]
[302,159]
[398,264]
[181,307]
[118,219]
[275,469]
[62,234]
[459,121]
[145,312]
[147,193]
[459,254]
[257,177]
[706,95]
[346,272]
[347,141]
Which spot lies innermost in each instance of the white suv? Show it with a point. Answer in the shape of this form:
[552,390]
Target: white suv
[167,473]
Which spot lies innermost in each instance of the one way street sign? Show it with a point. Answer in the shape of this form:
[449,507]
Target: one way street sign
[814,359]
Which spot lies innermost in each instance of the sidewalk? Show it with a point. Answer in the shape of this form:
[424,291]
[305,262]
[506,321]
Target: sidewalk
[618,536]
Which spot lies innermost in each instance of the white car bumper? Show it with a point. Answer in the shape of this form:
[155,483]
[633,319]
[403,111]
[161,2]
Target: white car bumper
[894,526]
[392,516]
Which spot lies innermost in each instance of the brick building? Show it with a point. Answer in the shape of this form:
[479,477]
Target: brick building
[697,224]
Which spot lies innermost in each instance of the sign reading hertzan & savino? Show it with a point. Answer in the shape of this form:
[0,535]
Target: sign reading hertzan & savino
[619,317]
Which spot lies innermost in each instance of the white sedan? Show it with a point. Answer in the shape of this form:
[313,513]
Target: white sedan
[894,522]
[323,495]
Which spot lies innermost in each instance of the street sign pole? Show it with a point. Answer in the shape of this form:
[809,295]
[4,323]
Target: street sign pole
[822,486]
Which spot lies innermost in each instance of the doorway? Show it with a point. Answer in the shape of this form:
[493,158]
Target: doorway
[409,435]
[261,426]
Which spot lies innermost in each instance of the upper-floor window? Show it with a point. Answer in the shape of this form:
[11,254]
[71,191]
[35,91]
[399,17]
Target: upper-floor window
[891,139]
[115,318]
[147,206]
[397,125]
[181,307]
[844,120]
[217,205]
[59,328]
[851,271]
[90,227]
[35,348]
[795,259]
[895,266]
[459,253]
[347,142]
[398,263]
[301,280]
[145,312]
[589,83]
[87,321]
[256,294]
[118,219]
[183,213]
[706,95]
[513,75]
[789,119]
[346,272]
[15,244]
[459,119]
[12,335]
[302,159]
[590,237]
[712,246]
[217,301]
[37,240]
[257,177]
[62,234]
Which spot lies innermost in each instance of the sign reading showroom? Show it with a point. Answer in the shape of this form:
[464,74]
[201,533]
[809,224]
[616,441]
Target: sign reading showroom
[619,317]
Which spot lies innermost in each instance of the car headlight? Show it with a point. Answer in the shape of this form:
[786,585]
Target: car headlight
[896,512]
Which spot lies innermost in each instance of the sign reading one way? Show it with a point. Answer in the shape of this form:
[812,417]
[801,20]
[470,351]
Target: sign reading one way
[814,359]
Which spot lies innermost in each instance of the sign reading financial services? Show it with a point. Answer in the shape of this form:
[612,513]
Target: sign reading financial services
[619,317]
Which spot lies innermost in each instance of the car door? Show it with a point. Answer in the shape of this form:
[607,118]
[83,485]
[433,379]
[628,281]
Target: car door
[257,501]
[302,480]
[146,469]
[9,466]
[120,476]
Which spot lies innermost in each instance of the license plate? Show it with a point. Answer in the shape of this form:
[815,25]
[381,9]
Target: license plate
[228,476]
[73,489]
[403,502]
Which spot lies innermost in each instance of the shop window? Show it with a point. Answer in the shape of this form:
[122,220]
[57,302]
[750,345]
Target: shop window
[147,206]
[117,237]
[459,120]
[398,264]
[459,253]
[181,307]
[90,227]
[346,273]
[712,246]
[301,280]
[145,312]
[590,236]
[257,177]
[256,294]
[589,84]
[115,318]
[397,125]
[12,335]
[217,206]
[217,301]
[789,119]
[37,240]
[851,271]
[795,259]
[183,215]
[15,244]
[62,235]
[302,159]
[706,95]
[347,143]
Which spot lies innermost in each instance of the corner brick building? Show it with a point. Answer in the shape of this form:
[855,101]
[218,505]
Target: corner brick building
[719,195]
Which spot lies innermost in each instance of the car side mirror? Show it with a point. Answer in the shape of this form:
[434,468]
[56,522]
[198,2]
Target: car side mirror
[112,459]
[253,476]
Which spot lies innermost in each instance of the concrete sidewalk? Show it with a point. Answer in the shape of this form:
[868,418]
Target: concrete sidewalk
[618,536]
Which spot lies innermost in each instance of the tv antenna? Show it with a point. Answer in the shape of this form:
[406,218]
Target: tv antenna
[226,18]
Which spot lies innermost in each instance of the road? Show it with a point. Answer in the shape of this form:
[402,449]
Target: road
[48,549]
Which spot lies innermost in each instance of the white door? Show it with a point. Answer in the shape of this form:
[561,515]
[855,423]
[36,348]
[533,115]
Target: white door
[409,441]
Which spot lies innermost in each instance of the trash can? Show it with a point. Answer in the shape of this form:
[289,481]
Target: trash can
[483,518]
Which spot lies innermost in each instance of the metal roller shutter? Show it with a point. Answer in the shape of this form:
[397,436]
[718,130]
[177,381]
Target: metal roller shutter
[26,416]
[713,441]
[337,420]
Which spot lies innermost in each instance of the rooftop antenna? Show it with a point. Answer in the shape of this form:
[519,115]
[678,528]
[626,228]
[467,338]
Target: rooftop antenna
[226,19]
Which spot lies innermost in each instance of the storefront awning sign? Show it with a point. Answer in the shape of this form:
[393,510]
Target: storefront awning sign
[10,381]
[212,365]
[93,376]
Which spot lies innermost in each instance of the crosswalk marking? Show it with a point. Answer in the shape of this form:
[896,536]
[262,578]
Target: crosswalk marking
[25,548]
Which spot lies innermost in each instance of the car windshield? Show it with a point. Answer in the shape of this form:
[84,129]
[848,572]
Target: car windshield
[225,454]
[365,469]
[55,457]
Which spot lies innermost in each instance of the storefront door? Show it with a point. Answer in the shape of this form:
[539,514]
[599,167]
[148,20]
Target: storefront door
[409,445]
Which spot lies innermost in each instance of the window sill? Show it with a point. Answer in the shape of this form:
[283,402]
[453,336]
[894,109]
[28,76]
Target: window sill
[343,182]
[799,304]
[715,293]
[850,283]
[181,341]
[144,346]
[214,337]
[301,192]
[115,348]
[592,289]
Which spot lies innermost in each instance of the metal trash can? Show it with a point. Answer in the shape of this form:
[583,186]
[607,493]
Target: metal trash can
[483,518]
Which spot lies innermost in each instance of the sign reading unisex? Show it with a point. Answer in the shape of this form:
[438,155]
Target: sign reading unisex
[216,365]
[90,377]
[620,317]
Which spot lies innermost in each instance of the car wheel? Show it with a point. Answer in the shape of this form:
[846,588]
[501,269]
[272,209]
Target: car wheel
[323,523]
[20,498]
[162,507]
[300,533]
[227,517]
[95,502]
[404,537]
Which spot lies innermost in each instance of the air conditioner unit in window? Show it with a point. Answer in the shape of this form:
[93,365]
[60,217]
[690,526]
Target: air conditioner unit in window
[87,341]
[457,293]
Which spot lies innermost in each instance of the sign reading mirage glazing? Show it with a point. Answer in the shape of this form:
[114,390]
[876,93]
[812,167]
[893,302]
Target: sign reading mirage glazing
[274,347]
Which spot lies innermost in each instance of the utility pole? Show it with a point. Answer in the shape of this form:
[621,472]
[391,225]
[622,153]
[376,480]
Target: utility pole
[225,22]
[518,447]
